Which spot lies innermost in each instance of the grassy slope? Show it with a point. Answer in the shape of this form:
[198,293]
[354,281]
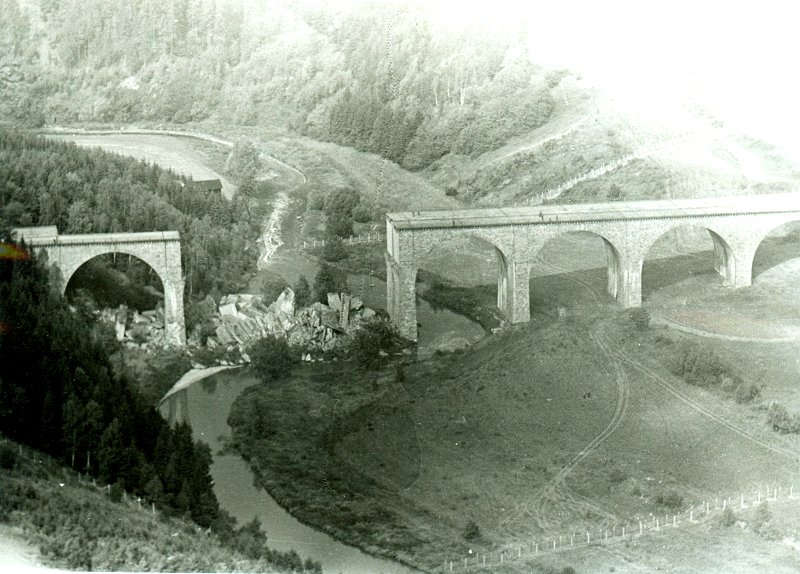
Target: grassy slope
[588,130]
[489,439]
[71,521]
[493,427]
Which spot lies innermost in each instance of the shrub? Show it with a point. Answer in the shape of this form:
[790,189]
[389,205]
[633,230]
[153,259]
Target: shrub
[728,518]
[115,492]
[617,475]
[362,213]
[780,420]
[373,341]
[327,281]
[334,249]
[698,365]
[472,532]
[670,499]
[746,392]
[272,287]
[302,292]
[8,457]
[317,201]
[640,318]
[272,358]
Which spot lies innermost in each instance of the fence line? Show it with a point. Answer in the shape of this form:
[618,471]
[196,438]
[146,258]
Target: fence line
[602,534]
[85,480]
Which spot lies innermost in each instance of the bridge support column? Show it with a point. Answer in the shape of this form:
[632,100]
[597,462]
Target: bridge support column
[628,283]
[742,275]
[724,261]
[174,325]
[513,290]
[401,296]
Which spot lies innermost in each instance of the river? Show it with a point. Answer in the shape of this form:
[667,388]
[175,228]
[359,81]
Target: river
[206,404]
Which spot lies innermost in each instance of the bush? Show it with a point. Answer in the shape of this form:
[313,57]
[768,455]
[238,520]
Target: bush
[640,318]
[617,475]
[8,457]
[272,358]
[780,420]
[373,341]
[302,292]
[334,249]
[328,280]
[362,214]
[746,392]
[115,492]
[670,499]
[698,365]
[317,201]
[472,532]
[728,518]
[272,287]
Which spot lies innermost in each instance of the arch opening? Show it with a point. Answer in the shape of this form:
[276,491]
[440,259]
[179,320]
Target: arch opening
[777,257]
[129,287]
[685,262]
[463,289]
[573,270]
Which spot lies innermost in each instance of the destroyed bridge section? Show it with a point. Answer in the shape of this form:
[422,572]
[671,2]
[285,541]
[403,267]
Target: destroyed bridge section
[161,250]
[737,225]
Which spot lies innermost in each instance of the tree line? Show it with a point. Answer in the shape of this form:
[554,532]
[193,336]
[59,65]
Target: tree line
[380,77]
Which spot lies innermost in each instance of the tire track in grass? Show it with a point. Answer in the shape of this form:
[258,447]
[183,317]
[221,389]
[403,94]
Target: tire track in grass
[653,376]
[555,492]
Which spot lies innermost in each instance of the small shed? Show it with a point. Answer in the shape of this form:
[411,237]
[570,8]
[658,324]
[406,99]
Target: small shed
[213,185]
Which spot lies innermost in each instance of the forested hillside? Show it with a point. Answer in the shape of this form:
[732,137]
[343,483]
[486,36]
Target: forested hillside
[58,394]
[377,77]
[43,182]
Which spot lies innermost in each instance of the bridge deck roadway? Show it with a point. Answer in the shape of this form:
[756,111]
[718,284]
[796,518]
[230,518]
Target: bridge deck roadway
[609,211]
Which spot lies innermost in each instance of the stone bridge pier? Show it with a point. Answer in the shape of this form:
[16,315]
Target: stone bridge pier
[736,224]
[161,250]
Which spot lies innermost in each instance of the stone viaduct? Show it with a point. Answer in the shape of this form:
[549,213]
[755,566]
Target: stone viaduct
[736,224]
[161,250]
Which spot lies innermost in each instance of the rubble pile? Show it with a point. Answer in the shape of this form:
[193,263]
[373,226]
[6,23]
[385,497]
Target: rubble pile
[141,330]
[243,319]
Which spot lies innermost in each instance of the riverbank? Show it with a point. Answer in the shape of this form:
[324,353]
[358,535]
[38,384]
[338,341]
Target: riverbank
[206,406]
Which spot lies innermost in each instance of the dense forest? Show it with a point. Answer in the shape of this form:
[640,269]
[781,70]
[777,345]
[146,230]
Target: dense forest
[58,394]
[43,182]
[377,77]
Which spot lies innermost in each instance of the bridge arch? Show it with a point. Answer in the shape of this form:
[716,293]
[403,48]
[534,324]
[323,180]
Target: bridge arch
[72,264]
[695,244]
[778,245]
[469,259]
[91,277]
[593,247]
[161,250]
